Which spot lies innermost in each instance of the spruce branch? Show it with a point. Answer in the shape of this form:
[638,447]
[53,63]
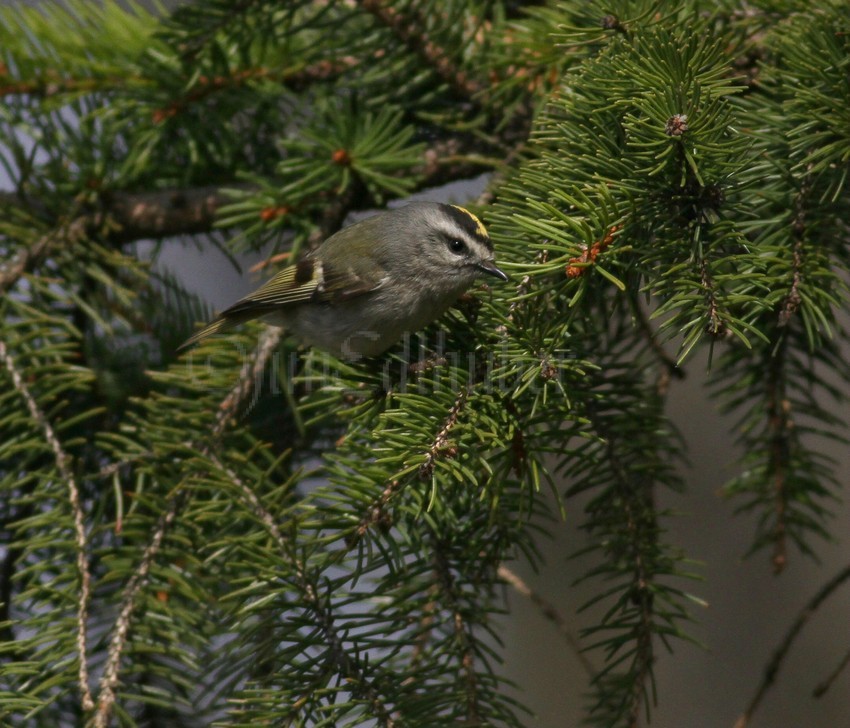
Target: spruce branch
[375,513]
[792,299]
[125,217]
[26,259]
[230,405]
[779,426]
[670,366]
[176,502]
[52,84]
[63,465]
[774,665]
[247,381]
[635,501]
[410,30]
[348,665]
[132,592]
[715,326]
[295,80]
[438,448]
[462,630]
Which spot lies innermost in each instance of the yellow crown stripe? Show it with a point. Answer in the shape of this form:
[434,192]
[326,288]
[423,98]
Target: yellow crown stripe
[479,226]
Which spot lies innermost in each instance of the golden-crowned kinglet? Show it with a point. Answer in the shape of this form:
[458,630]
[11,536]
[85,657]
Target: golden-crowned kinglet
[363,287]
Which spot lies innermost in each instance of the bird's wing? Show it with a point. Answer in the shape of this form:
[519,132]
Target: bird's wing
[294,284]
[350,281]
[305,281]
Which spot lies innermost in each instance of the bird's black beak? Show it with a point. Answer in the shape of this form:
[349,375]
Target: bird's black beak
[489,267]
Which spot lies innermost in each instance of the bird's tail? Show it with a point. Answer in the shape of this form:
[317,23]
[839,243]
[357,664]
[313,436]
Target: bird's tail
[222,323]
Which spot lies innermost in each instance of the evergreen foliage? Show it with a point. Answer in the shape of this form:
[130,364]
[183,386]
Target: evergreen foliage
[252,534]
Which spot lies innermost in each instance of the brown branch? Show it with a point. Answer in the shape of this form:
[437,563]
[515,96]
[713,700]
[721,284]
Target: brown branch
[792,299]
[772,669]
[52,84]
[64,467]
[715,326]
[227,411]
[139,579]
[163,213]
[410,31]
[125,217]
[295,80]
[550,612]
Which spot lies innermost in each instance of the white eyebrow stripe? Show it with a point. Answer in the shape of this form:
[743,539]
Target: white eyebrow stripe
[457,231]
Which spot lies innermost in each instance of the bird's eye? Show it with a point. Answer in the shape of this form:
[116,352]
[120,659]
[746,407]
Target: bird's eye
[458,247]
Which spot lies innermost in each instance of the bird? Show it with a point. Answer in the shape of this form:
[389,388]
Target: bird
[360,290]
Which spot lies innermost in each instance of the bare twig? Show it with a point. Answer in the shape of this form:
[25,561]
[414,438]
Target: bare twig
[772,668]
[64,467]
[822,687]
[548,610]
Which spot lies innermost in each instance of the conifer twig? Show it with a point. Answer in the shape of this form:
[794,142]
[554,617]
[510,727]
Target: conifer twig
[28,258]
[772,668]
[779,424]
[463,633]
[666,360]
[822,687]
[64,468]
[230,405]
[243,388]
[439,447]
[640,522]
[411,32]
[550,612]
[109,680]
[348,666]
[246,383]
